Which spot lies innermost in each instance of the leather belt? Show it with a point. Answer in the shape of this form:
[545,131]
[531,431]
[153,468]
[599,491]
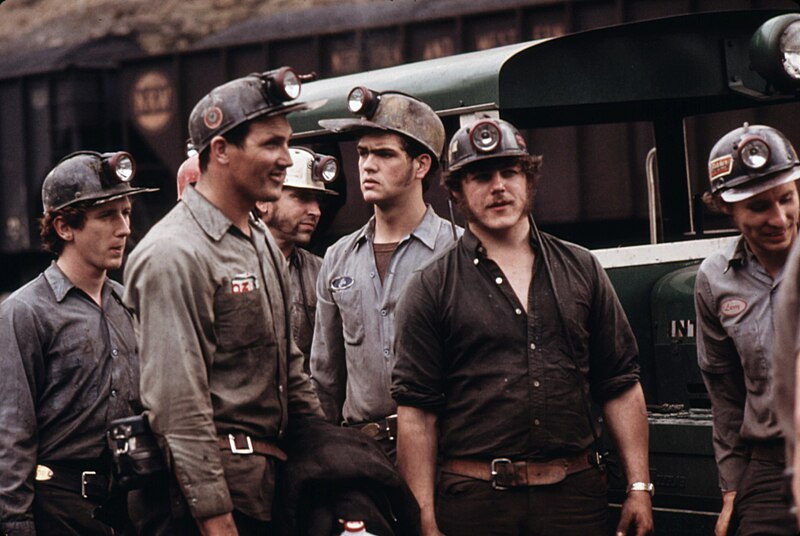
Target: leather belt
[91,483]
[244,444]
[770,451]
[504,473]
[380,429]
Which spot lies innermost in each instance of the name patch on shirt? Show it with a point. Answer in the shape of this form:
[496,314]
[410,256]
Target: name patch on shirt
[241,283]
[733,307]
[341,283]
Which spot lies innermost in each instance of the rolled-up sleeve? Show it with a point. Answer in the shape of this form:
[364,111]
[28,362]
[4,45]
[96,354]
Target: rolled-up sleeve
[166,291]
[723,376]
[417,376]
[614,365]
[21,348]
[328,364]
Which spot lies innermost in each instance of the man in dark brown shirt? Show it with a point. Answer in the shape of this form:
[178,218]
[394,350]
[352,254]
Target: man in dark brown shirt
[221,377]
[501,341]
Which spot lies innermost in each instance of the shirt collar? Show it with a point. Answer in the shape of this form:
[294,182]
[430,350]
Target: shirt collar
[426,232]
[211,219]
[738,254]
[474,246]
[61,285]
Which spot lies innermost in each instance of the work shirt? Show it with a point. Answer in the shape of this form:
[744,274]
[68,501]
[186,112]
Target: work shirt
[504,382]
[216,350]
[69,367]
[352,352]
[734,300]
[303,270]
[786,348]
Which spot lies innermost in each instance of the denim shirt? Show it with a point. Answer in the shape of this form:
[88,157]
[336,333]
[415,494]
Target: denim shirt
[734,300]
[352,352]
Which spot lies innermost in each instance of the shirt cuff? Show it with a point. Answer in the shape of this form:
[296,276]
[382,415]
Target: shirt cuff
[208,500]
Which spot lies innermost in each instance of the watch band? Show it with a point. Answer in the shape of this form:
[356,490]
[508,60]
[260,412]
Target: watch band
[642,486]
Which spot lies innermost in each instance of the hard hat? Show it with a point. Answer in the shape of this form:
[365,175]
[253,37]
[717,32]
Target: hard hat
[392,112]
[482,139]
[311,171]
[243,99]
[188,173]
[90,176]
[750,160]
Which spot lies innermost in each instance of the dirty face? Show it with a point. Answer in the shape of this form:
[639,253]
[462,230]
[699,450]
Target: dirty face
[100,242]
[495,200]
[294,217]
[387,172]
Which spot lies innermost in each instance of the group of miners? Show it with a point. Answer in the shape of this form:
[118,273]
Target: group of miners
[452,369]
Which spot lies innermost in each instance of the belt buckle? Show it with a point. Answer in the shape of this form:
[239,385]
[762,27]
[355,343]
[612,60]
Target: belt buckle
[389,420]
[84,482]
[236,450]
[371,429]
[495,463]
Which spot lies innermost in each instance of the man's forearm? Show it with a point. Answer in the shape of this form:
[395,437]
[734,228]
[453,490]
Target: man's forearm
[626,420]
[417,445]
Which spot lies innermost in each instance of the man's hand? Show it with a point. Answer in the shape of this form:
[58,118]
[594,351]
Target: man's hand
[637,511]
[221,525]
[724,519]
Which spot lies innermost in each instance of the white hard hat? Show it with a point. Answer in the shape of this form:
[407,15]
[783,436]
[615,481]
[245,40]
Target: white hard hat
[311,171]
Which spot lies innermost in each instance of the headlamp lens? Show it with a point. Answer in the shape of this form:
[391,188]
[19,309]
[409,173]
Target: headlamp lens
[291,84]
[790,49]
[123,166]
[485,136]
[754,153]
[357,99]
[328,168]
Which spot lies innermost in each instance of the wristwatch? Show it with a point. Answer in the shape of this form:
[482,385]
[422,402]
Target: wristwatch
[642,486]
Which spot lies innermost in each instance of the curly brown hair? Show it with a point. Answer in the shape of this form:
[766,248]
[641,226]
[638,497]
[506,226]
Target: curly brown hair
[73,215]
[530,165]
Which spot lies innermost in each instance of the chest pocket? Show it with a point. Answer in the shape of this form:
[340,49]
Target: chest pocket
[749,340]
[352,311]
[239,320]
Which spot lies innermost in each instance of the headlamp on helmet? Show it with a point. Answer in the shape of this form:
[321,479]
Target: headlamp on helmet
[754,153]
[775,51]
[326,168]
[750,160]
[282,84]
[485,136]
[363,101]
[89,176]
[311,171]
[482,139]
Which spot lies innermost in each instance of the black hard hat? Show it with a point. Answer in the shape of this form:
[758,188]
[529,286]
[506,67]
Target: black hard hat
[243,99]
[482,139]
[750,160]
[392,112]
[90,176]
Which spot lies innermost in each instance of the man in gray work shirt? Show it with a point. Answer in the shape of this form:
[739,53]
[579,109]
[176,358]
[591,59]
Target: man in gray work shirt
[221,376]
[400,140]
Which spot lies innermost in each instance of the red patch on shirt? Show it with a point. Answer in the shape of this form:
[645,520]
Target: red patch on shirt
[733,307]
[242,283]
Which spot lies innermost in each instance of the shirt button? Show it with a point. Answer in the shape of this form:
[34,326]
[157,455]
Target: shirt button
[280,388]
[475,261]
[384,312]
[536,383]
[536,422]
[499,280]
[518,311]
[372,274]
[114,352]
[113,393]
[533,346]
[385,351]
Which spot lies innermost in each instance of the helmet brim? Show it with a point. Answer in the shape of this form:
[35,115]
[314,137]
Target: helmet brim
[351,125]
[312,189]
[752,188]
[482,157]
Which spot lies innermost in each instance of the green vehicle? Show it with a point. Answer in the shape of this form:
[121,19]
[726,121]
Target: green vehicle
[625,117]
